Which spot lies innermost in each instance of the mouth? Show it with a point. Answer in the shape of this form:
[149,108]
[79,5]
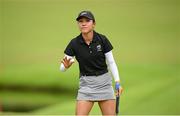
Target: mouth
[84,27]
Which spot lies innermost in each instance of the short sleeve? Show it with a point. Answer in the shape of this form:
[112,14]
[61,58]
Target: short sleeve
[107,45]
[69,49]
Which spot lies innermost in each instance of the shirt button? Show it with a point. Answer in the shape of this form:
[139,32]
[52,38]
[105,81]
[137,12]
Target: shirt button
[89,46]
[90,51]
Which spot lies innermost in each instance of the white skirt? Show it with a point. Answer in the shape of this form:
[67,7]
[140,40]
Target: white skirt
[96,88]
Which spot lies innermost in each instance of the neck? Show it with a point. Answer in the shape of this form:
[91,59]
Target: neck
[88,36]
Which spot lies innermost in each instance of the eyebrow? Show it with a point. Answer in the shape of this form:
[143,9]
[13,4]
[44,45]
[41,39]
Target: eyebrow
[86,19]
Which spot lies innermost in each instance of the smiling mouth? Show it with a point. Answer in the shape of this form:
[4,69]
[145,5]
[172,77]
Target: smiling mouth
[84,27]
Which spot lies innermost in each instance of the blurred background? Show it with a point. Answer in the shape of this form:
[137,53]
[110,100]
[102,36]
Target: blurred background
[34,34]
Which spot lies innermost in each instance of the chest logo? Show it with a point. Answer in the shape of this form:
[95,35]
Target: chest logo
[99,48]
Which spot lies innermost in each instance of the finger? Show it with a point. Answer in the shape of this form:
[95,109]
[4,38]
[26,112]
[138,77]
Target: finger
[65,58]
[71,62]
[69,59]
[63,62]
[120,90]
[117,92]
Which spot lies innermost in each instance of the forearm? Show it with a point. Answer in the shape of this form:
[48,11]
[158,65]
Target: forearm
[112,66]
[114,71]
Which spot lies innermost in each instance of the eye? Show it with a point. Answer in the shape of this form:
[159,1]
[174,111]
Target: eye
[88,20]
[80,21]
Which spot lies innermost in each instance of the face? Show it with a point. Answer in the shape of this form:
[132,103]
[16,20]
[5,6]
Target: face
[86,25]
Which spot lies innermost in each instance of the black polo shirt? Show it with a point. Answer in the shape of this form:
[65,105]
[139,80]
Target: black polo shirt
[91,57]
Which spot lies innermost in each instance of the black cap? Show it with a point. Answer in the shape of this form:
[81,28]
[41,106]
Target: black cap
[86,14]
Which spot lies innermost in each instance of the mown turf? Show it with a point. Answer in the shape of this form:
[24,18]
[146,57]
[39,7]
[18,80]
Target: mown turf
[144,33]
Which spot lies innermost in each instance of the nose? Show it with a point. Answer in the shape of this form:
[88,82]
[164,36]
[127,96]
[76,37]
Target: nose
[83,23]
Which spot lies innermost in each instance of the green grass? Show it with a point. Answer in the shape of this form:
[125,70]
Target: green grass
[39,76]
[145,87]
[145,36]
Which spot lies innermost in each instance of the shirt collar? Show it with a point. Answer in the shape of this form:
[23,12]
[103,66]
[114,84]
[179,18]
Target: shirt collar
[94,38]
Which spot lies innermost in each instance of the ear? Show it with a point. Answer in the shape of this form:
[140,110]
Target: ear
[94,24]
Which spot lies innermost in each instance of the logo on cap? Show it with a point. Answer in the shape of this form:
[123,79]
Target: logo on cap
[83,13]
[86,14]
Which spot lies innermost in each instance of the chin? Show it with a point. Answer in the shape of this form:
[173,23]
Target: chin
[85,31]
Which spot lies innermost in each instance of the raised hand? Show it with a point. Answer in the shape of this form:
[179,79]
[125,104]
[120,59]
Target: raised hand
[67,62]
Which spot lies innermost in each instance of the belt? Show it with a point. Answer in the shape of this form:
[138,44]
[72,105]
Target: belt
[96,73]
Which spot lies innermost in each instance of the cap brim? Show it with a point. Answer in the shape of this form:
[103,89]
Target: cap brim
[77,19]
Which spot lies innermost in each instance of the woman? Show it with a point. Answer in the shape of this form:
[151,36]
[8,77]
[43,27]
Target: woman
[93,51]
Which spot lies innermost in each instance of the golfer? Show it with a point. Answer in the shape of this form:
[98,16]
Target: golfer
[93,51]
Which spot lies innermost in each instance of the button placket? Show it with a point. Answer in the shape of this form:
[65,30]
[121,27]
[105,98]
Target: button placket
[90,50]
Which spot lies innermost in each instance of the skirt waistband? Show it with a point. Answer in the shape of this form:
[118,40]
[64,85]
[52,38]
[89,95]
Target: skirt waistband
[96,73]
